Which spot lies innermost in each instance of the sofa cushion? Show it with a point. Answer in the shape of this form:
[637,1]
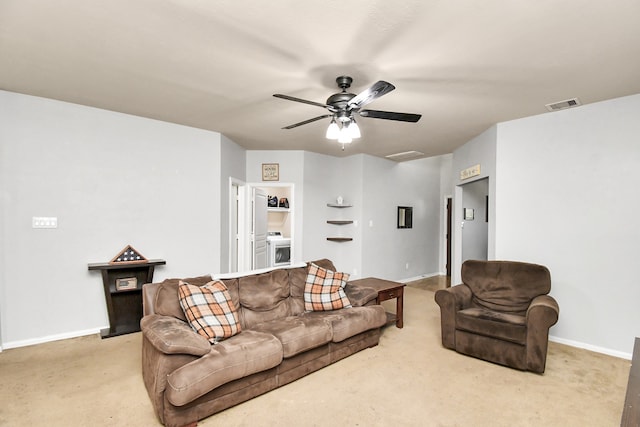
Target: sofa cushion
[231,359]
[504,326]
[349,322]
[324,290]
[297,334]
[263,292]
[166,301]
[209,310]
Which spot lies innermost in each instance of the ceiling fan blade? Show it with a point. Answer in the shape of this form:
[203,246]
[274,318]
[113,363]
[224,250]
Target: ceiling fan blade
[376,91]
[307,121]
[389,115]
[304,101]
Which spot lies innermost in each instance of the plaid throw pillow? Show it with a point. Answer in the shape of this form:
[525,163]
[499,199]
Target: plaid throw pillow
[324,290]
[209,310]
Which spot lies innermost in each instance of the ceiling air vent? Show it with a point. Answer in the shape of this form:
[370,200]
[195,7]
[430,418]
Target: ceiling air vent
[562,105]
[407,155]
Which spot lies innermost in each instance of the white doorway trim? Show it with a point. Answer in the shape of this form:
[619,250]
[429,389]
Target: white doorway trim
[237,225]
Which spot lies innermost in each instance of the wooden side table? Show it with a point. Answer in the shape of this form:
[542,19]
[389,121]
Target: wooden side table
[387,290]
[123,294]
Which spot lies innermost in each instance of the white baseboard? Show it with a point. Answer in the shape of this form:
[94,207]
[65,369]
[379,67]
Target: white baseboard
[49,338]
[590,347]
[422,276]
[75,334]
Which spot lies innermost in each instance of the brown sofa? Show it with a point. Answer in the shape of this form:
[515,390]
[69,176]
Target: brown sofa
[501,313]
[189,379]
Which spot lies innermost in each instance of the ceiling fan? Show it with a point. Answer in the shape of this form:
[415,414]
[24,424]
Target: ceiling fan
[343,106]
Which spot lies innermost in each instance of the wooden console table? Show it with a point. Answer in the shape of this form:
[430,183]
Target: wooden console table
[122,284]
[387,290]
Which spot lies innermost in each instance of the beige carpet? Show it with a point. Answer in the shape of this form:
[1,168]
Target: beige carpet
[407,380]
[432,283]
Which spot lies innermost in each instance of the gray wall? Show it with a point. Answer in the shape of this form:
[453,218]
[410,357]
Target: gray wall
[567,198]
[387,250]
[563,193]
[375,187]
[233,166]
[326,178]
[90,168]
[111,180]
[446,191]
[481,150]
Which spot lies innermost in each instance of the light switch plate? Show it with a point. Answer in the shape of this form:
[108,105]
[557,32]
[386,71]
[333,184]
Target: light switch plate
[44,222]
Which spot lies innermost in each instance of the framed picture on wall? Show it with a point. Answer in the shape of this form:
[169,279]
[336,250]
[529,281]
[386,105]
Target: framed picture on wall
[405,217]
[468,214]
[270,171]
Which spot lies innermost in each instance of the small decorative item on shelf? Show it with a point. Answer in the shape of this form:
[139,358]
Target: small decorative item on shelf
[339,200]
[128,256]
[272,202]
[126,284]
[284,203]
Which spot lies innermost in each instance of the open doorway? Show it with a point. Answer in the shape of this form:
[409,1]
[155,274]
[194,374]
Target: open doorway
[475,220]
[275,221]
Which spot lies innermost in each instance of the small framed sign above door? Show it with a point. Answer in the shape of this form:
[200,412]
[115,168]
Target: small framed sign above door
[270,171]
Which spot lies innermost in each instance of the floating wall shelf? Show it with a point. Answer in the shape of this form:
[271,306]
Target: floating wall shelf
[339,222]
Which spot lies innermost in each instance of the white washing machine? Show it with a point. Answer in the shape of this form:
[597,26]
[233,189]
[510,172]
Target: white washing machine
[278,249]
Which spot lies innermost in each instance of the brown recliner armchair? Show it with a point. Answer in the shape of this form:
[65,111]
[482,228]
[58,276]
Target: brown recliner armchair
[501,313]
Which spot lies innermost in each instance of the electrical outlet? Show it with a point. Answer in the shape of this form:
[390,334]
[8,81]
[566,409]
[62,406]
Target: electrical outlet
[406,266]
[44,222]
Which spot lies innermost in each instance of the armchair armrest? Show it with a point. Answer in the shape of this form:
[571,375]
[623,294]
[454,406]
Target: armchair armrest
[543,311]
[541,315]
[450,301]
[173,336]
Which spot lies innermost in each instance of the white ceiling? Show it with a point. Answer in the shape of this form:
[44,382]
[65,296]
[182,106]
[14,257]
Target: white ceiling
[464,65]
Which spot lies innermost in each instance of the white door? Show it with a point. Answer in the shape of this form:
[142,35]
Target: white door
[259,228]
[234,227]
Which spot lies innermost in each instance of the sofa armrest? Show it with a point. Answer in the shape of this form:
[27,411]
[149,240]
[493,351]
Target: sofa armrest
[173,336]
[451,300]
[359,296]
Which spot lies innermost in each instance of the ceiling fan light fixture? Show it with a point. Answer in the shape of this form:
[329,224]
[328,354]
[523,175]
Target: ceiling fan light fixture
[345,137]
[343,106]
[333,131]
[343,116]
[354,129]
